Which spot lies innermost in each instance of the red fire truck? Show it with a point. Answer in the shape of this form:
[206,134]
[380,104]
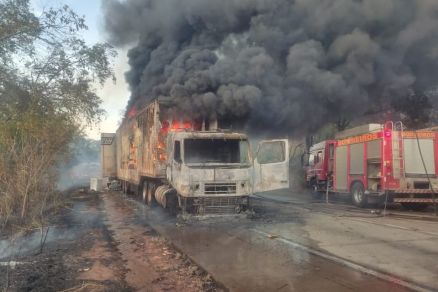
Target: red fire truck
[374,161]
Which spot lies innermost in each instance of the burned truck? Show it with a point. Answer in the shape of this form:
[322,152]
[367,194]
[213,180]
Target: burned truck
[191,164]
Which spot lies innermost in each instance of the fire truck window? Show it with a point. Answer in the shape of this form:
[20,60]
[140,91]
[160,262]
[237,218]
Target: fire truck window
[331,150]
[271,152]
[320,157]
[177,151]
[331,157]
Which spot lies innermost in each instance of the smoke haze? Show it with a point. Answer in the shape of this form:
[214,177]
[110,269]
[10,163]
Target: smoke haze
[281,64]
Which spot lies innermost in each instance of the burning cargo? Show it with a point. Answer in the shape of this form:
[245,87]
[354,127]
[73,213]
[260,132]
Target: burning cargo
[192,164]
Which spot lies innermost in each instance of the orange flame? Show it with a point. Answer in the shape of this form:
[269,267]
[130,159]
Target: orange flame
[132,112]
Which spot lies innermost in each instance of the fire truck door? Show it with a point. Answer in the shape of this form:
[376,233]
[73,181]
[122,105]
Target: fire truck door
[271,166]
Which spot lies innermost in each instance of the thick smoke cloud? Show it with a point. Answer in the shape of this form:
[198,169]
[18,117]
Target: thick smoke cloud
[276,63]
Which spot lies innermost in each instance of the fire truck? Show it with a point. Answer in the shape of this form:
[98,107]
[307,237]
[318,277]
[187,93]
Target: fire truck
[377,162]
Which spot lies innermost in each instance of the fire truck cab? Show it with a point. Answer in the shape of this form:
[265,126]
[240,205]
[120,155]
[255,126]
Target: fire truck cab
[383,162]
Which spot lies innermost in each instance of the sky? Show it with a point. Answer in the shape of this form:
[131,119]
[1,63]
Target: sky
[114,95]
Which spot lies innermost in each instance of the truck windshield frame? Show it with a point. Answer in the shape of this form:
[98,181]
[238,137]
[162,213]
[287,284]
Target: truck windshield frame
[220,151]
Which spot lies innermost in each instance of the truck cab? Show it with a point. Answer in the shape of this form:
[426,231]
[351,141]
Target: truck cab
[319,165]
[214,170]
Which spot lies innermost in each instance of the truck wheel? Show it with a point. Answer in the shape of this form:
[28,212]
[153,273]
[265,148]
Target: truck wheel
[172,203]
[150,195]
[183,204]
[144,193]
[415,206]
[124,188]
[316,194]
[358,195]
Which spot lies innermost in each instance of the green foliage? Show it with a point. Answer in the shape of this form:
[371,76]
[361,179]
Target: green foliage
[326,132]
[417,109]
[45,58]
[31,146]
[47,79]
[18,27]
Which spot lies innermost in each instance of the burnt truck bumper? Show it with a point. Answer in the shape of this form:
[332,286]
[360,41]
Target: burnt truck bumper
[217,204]
[408,196]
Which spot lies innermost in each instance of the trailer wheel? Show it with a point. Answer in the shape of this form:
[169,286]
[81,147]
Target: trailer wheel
[151,202]
[358,195]
[414,206]
[124,188]
[127,188]
[144,193]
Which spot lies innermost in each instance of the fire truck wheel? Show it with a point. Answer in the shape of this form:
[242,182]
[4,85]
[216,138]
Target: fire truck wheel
[414,206]
[317,195]
[358,195]
[150,196]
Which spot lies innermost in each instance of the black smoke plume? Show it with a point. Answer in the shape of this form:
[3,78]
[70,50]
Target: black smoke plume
[279,64]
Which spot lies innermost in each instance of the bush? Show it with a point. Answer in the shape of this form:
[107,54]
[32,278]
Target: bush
[31,148]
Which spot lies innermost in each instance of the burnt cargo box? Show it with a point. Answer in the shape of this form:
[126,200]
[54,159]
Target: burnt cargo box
[108,154]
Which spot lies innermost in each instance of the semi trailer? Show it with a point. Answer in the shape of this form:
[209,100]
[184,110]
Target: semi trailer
[191,164]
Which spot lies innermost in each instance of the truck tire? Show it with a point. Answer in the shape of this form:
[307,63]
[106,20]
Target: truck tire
[316,194]
[415,206]
[144,193]
[124,187]
[358,195]
[150,199]
[172,203]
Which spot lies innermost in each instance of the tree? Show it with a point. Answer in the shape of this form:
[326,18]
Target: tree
[47,78]
[45,57]
[416,107]
[342,123]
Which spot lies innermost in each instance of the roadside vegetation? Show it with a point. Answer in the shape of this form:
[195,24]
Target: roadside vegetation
[48,75]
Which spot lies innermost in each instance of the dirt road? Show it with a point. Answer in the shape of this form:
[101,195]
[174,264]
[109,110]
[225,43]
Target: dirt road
[101,243]
[112,242]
